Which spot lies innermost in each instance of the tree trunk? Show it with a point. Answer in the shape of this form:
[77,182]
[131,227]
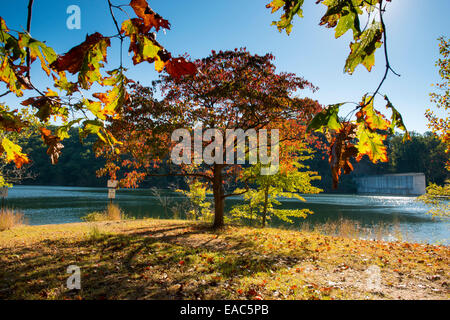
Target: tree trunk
[266,197]
[219,199]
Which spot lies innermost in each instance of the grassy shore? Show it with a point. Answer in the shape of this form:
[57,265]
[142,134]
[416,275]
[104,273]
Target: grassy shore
[173,259]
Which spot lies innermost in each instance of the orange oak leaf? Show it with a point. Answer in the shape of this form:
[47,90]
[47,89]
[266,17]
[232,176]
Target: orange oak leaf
[151,18]
[53,143]
[13,153]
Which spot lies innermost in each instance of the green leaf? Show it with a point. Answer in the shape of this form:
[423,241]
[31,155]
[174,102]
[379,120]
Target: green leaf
[39,50]
[8,76]
[290,11]
[363,50]
[396,120]
[328,118]
[93,61]
[91,127]
[344,15]
[62,132]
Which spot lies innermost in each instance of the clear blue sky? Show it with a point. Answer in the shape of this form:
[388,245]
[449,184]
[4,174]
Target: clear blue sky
[198,26]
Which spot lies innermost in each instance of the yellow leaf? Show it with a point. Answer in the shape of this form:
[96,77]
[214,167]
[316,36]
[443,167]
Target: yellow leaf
[13,153]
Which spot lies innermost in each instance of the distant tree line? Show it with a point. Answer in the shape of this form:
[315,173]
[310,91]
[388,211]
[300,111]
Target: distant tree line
[78,164]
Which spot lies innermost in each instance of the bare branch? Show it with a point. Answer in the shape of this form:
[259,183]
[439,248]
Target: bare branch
[30,11]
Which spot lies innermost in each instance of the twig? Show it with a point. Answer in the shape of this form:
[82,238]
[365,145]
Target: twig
[118,30]
[4,94]
[388,66]
[30,11]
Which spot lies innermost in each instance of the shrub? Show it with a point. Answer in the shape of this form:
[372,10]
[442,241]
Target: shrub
[94,216]
[9,219]
[112,213]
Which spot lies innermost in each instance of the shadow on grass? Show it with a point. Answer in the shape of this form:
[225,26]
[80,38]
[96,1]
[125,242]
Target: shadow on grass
[164,262]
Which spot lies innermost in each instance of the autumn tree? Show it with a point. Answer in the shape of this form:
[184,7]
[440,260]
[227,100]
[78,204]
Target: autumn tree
[437,196]
[231,90]
[441,97]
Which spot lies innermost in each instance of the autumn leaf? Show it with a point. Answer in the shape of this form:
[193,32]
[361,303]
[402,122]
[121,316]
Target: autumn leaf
[72,61]
[341,151]
[91,127]
[144,45]
[363,49]
[327,118]
[370,143]
[291,9]
[275,5]
[373,118]
[178,67]
[86,59]
[396,120]
[342,15]
[39,50]
[46,105]
[150,18]
[8,76]
[53,143]
[13,153]
[63,84]
[9,121]
[112,100]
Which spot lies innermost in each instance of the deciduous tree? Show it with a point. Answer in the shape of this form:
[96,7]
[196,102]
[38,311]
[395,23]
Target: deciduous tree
[232,90]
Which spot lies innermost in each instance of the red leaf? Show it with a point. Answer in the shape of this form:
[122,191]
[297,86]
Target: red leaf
[252,292]
[178,67]
[341,151]
[73,60]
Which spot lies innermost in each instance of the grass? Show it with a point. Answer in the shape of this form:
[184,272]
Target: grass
[175,259]
[10,218]
[112,213]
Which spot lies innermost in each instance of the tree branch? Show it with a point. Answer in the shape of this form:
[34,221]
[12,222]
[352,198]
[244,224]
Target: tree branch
[30,12]
[388,66]
[118,30]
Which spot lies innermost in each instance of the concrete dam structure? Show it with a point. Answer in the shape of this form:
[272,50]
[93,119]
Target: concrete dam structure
[405,184]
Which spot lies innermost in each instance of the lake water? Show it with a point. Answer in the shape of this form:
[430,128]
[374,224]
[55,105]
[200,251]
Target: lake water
[51,205]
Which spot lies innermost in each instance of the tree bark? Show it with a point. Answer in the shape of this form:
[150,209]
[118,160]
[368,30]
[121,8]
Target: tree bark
[219,199]
[266,197]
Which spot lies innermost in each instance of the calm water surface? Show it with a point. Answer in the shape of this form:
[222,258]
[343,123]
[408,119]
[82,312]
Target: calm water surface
[51,205]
